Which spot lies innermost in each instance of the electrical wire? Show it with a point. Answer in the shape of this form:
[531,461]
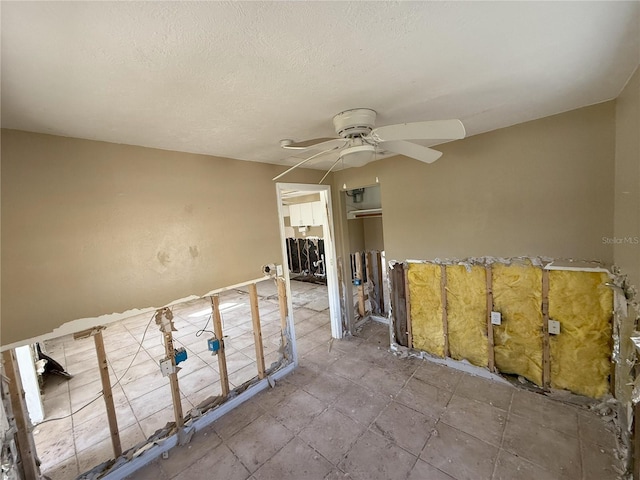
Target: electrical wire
[117,382]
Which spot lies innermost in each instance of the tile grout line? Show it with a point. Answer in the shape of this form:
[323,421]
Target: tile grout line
[504,430]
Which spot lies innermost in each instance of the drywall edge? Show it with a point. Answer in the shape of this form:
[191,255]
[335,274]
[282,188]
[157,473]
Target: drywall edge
[80,324]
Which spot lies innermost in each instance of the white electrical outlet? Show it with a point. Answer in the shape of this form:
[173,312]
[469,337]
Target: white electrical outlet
[167,367]
[496,318]
[554,327]
[279,270]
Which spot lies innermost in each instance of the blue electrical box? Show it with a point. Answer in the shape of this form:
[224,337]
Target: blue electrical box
[180,355]
[213,344]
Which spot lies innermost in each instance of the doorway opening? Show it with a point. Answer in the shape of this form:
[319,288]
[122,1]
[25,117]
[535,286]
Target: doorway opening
[309,261]
[366,263]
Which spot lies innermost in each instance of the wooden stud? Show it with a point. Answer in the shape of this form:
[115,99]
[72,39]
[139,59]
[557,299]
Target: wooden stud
[222,357]
[299,256]
[407,300]
[398,304]
[257,331]
[282,302]
[379,282]
[491,344]
[107,394]
[443,295]
[546,364]
[173,379]
[361,307]
[24,439]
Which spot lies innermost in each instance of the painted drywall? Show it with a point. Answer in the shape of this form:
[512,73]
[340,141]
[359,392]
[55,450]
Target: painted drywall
[91,228]
[626,251]
[373,239]
[626,238]
[539,188]
[356,236]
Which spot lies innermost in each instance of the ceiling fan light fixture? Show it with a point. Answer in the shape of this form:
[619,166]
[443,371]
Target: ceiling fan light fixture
[359,155]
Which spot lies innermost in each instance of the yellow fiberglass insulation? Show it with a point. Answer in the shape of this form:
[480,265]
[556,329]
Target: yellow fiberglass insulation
[467,314]
[581,352]
[517,295]
[426,308]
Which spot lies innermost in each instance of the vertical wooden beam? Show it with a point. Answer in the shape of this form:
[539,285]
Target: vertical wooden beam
[398,304]
[361,309]
[443,296]
[23,435]
[379,281]
[369,284]
[282,302]
[222,357]
[407,300]
[491,345]
[107,394]
[173,379]
[257,330]
[546,364]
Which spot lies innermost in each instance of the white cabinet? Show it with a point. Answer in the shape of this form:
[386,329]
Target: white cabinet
[317,210]
[305,214]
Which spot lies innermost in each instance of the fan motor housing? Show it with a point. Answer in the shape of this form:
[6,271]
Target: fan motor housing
[354,123]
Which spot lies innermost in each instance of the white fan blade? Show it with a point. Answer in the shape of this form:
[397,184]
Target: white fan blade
[413,150]
[308,159]
[433,130]
[313,143]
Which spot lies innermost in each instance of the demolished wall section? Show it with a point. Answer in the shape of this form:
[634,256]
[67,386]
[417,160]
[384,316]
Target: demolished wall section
[517,295]
[580,356]
[467,313]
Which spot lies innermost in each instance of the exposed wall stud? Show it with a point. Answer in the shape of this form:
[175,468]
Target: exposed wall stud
[407,300]
[257,330]
[546,365]
[222,357]
[164,318]
[24,438]
[398,304]
[107,394]
[443,294]
[282,302]
[379,284]
[491,345]
[361,307]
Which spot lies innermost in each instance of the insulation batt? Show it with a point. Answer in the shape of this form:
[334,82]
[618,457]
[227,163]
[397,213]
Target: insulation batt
[517,295]
[467,313]
[581,353]
[426,308]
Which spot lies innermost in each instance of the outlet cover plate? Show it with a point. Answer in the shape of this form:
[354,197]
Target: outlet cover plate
[496,318]
[554,327]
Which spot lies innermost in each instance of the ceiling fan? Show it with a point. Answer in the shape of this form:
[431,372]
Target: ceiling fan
[360,143]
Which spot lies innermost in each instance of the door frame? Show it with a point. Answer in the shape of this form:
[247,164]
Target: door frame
[331,264]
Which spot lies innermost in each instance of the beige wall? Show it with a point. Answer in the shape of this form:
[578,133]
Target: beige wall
[356,235]
[91,228]
[540,188]
[627,180]
[373,239]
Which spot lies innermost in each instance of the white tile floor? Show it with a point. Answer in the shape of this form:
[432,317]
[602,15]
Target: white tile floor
[80,441]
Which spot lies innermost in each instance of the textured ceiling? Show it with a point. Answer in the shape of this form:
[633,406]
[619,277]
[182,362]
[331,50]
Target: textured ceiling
[232,78]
